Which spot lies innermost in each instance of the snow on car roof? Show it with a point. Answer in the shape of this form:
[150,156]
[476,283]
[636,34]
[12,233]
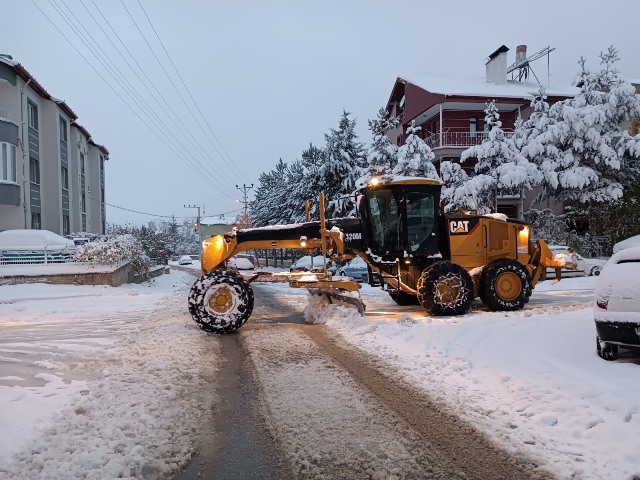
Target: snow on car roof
[631,253]
[629,242]
[26,239]
[479,87]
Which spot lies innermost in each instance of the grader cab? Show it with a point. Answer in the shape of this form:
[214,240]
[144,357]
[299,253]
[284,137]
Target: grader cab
[420,256]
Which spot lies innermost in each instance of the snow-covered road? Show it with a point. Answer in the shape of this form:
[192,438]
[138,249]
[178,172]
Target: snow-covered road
[100,382]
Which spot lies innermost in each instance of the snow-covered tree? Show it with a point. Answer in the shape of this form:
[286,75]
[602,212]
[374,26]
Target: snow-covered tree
[265,208]
[500,166]
[114,250]
[454,177]
[415,158]
[382,155]
[297,192]
[343,165]
[583,142]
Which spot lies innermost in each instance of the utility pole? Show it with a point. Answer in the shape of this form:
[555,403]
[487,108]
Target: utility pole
[199,230]
[245,189]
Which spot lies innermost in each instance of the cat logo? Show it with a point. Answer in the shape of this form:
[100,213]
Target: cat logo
[459,226]
[462,227]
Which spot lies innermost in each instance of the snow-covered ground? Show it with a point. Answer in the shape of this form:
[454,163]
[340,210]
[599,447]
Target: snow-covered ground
[531,379]
[100,382]
[86,371]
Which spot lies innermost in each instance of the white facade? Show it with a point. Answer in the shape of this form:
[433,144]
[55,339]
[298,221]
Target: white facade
[50,189]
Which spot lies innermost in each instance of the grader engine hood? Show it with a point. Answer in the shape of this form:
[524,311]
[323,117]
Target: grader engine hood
[220,248]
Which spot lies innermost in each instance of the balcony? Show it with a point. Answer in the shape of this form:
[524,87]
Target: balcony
[8,116]
[453,139]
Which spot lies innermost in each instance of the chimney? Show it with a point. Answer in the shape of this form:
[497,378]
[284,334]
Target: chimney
[497,66]
[521,54]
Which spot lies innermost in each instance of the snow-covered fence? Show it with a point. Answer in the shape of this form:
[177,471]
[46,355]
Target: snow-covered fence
[36,257]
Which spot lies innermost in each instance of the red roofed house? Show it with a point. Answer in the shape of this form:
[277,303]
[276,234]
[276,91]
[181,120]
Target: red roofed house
[451,110]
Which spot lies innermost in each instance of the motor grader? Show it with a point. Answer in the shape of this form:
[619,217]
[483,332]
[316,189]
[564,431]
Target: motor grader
[419,255]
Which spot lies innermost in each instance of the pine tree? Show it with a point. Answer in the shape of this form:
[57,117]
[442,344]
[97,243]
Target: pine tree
[312,160]
[343,165]
[382,156]
[585,140]
[490,154]
[265,208]
[454,178]
[415,158]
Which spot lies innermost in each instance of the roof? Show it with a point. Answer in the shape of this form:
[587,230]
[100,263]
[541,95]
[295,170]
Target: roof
[479,87]
[40,90]
[217,220]
[501,49]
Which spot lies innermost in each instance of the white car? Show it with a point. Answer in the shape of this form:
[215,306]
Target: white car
[185,260]
[241,263]
[303,264]
[629,242]
[616,309]
[585,266]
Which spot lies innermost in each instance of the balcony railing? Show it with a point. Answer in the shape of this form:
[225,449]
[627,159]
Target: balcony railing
[6,114]
[454,139]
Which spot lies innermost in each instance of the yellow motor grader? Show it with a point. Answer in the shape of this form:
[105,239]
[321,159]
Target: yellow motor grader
[441,261]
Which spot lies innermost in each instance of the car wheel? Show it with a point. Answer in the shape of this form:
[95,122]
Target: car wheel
[606,350]
[595,271]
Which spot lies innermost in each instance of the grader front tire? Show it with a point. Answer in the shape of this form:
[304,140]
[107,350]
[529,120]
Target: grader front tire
[445,288]
[221,301]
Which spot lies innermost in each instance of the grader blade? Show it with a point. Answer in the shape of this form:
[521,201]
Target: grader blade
[341,290]
[341,297]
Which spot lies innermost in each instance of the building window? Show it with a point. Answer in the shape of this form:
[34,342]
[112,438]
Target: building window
[34,171]
[83,203]
[82,163]
[8,162]
[64,174]
[66,226]
[473,127]
[32,113]
[63,129]
[35,221]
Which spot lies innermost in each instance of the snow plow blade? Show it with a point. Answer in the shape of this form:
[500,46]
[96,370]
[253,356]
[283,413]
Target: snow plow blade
[340,290]
[543,259]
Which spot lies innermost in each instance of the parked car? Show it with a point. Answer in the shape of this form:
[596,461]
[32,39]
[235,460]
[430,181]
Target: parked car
[303,264]
[585,266]
[629,242]
[616,309]
[356,269]
[241,263]
[185,260]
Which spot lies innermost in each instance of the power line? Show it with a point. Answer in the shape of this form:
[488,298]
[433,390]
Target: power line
[178,153]
[173,117]
[138,100]
[157,215]
[173,83]
[189,91]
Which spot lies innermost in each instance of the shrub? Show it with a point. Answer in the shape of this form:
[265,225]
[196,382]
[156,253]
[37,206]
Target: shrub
[115,250]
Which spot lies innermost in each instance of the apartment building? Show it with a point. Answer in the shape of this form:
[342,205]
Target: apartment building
[450,110]
[52,173]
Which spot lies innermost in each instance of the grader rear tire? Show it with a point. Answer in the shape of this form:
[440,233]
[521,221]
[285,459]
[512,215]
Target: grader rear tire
[445,288]
[505,285]
[221,301]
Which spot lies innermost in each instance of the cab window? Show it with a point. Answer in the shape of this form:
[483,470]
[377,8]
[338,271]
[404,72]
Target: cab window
[420,218]
[383,212]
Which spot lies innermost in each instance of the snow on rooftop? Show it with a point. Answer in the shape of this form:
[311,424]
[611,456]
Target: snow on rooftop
[479,87]
[218,220]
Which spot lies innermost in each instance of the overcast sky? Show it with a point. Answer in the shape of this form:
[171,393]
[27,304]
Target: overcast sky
[271,76]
